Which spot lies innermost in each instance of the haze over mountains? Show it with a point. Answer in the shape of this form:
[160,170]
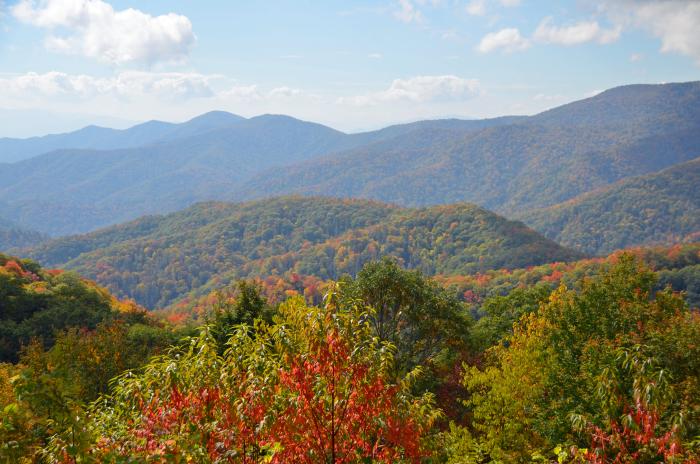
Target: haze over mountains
[516,166]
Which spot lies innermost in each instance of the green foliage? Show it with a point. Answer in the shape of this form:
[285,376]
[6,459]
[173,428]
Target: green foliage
[661,208]
[46,394]
[501,312]
[251,400]
[423,321]
[158,261]
[582,362]
[244,306]
[35,303]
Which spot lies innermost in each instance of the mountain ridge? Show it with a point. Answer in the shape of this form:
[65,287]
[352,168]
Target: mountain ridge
[661,208]
[159,259]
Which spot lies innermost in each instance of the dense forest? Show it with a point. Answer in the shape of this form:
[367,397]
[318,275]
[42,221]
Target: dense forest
[158,260]
[663,207]
[596,362]
[677,266]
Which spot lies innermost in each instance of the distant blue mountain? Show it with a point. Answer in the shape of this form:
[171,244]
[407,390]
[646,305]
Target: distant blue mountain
[511,165]
[101,138]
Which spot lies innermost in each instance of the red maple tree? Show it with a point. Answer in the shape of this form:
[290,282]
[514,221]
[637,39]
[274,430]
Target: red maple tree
[341,410]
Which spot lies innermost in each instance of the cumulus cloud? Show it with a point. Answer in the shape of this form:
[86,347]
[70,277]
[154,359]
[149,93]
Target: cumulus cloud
[674,22]
[581,32]
[93,28]
[507,40]
[419,89]
[123,85]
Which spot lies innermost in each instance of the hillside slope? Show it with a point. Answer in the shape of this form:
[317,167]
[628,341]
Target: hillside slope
[661,208]
[157,260]
[533,163]
[13,236]
[510,165]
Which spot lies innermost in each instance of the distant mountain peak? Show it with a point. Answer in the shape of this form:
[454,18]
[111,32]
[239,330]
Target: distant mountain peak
[216,116]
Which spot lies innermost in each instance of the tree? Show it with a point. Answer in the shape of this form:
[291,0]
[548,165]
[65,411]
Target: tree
[231,309]
[421,319]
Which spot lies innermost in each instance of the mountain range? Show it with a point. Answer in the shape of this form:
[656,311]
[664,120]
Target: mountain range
[531,168]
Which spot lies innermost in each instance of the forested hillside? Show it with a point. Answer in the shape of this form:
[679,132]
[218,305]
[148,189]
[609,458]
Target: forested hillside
[102,138]
[78,190]
[661,208]
[13,236]
[157,260]
[37,304]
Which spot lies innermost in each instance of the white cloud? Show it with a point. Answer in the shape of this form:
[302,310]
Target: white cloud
[548,98]
[476,7]
[675,22]
[508,40]
[592,93]
[479,7]
[284,92]
[581,32]
[242,93]
[408,13]
[634,57]
[375,56]
[127,84]
[94,29]
[419,89]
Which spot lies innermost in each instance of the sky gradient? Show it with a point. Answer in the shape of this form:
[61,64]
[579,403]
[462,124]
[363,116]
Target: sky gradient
[352,65]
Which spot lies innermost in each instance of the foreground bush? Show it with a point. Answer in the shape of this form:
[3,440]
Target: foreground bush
[314,386]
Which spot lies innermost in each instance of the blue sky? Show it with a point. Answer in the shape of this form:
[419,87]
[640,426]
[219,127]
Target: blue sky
[352,65]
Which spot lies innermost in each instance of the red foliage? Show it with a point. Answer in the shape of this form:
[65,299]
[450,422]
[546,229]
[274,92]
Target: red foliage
[341,412]
[625,443]
[326,407]
[235,425]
